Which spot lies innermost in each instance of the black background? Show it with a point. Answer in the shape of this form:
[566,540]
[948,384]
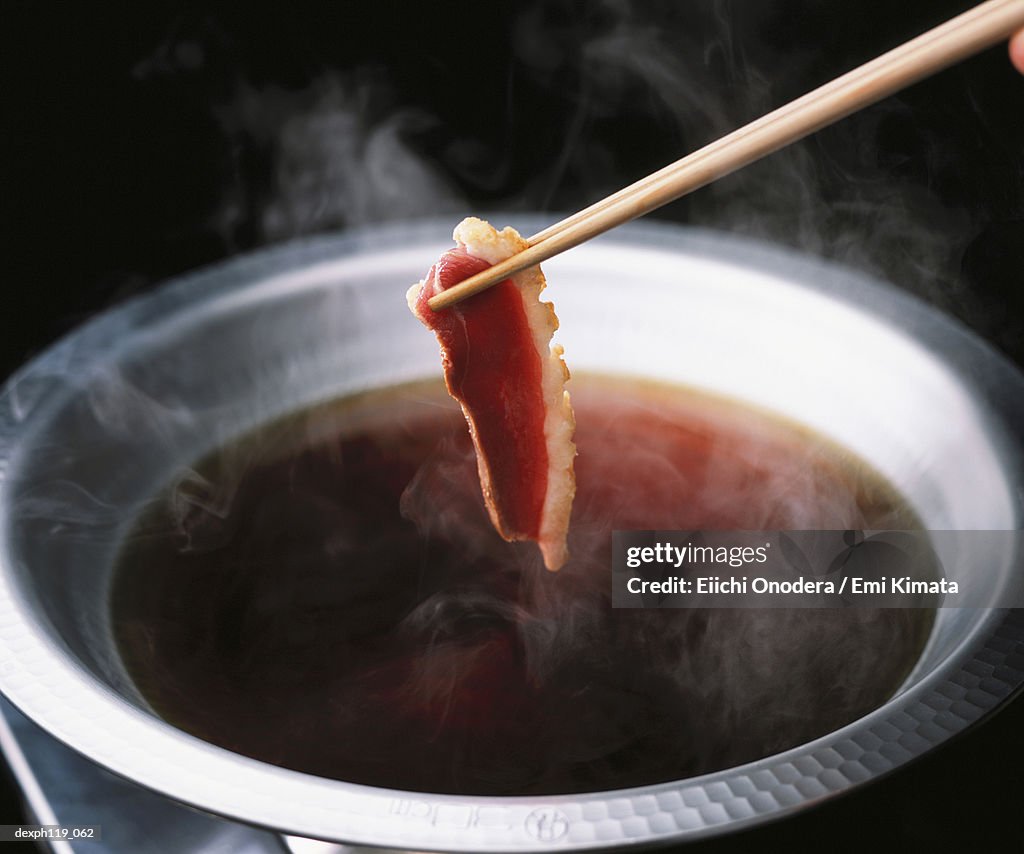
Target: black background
[143,140]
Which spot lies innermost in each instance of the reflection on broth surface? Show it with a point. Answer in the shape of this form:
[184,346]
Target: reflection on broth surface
[327,594]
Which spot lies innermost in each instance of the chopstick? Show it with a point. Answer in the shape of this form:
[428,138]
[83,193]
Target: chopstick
[951,42]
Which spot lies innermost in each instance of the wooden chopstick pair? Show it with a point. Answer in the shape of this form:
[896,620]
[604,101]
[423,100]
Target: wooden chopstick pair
[951,42]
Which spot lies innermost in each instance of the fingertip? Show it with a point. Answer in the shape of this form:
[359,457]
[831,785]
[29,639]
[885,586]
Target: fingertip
[1017,51]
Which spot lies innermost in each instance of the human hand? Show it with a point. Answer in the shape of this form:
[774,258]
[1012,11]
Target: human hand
[1017,51]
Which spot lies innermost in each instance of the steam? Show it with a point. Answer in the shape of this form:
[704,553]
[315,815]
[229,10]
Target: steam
[339,159]
[593,99]
[700,71]
[619,89]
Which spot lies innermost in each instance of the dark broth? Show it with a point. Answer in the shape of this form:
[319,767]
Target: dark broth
[327,594]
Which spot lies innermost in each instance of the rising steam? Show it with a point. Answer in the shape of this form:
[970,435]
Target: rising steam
[621,88]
